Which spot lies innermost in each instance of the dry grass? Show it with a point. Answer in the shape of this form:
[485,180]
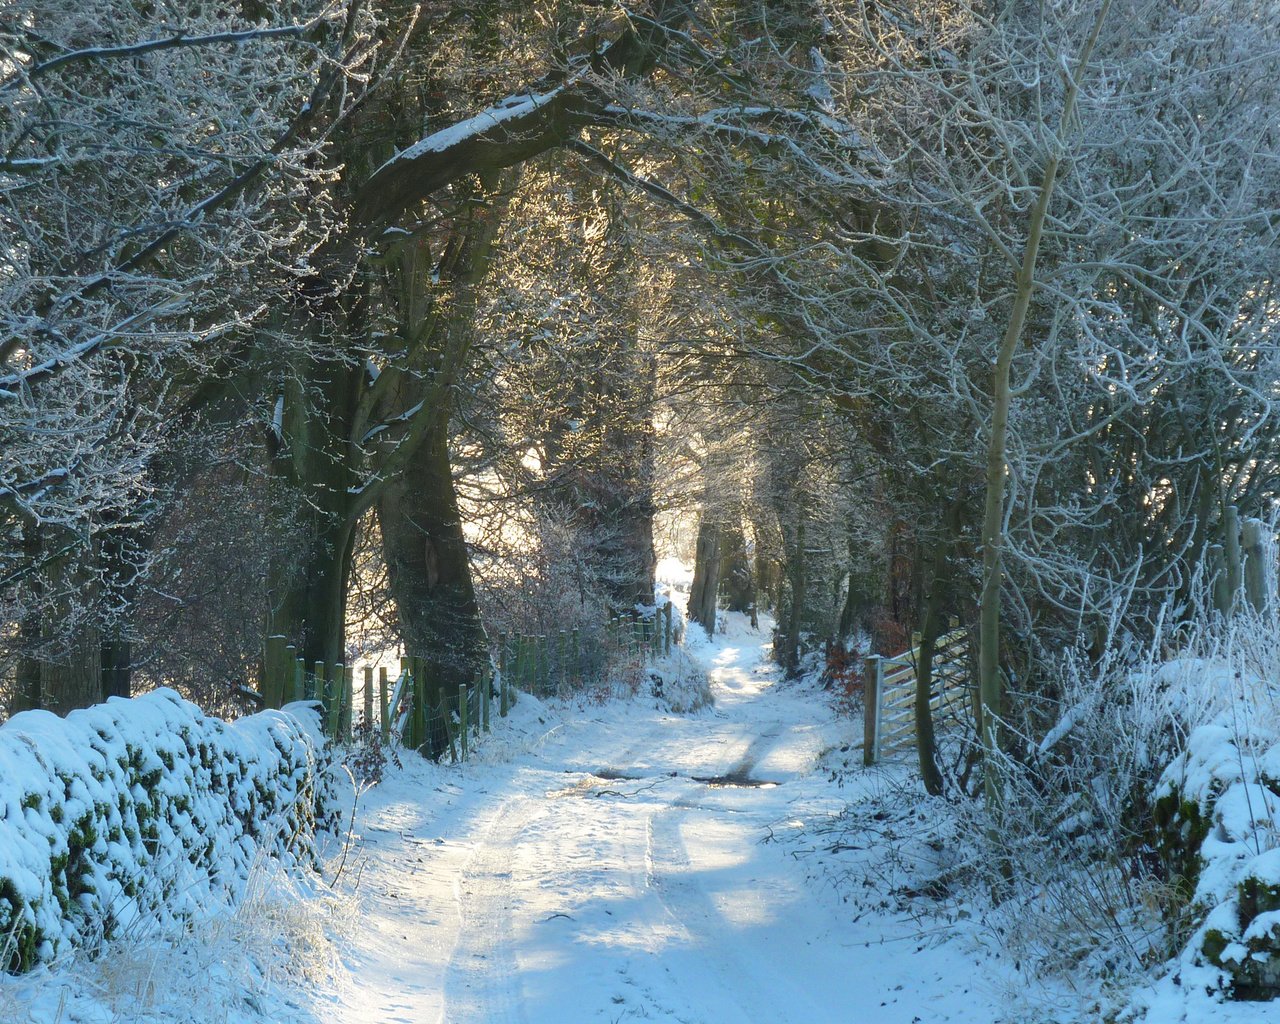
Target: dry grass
[254,962]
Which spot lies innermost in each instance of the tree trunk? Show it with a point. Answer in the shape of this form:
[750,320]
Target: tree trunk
[789,656]
[28,695]
[73,677]
[737,582]
[990,686]
[706,577]
[117,667]
[71,657]
[930,629]
[309,595]
[849,611]
[762,566]
[430,571]
[28,686]
[121,554]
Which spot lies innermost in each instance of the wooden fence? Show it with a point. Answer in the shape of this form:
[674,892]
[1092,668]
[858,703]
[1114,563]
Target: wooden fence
[1239,566]
[420,711]
[889,706]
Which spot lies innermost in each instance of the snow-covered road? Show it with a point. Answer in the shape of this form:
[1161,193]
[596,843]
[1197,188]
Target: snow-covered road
[614,862]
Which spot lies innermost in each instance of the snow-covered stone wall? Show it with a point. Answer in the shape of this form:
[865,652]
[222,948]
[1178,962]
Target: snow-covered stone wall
[140,814]
[1218,811]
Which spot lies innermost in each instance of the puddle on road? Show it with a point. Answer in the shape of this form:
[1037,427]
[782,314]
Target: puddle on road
[613,775]
[733,780]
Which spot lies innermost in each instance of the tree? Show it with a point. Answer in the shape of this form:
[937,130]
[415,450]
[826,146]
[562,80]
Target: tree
[149,179]
[1051,228]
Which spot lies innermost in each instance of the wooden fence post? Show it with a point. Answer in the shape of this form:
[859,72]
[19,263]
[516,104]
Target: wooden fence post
[1218,576]
[299,675]
[421,704]
[368,698]
[337,684]
[463,702]
[411,695]
[873,681]
[1255,569]
[666,615]
[1231,549]
[562,658]
[384,705]
[446,719]
[348,702]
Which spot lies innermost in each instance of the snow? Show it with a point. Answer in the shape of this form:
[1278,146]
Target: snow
[602,859]
[506,110]
[578,870]
[675,573]
[1227,770]
[133,815]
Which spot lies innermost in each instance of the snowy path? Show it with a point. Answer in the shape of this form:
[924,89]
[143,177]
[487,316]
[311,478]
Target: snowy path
[592,877]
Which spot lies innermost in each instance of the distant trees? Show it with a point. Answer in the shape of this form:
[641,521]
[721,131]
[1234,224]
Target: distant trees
[563,424]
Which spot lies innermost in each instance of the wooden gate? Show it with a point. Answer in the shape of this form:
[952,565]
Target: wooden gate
[889,709]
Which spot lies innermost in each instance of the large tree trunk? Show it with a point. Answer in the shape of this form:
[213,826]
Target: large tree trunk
[737,581]
[430,571]
[117,667]
[28,693]
[706,577]
[71,656]
[309,593]
[122,553]
[28,684]
[72,678]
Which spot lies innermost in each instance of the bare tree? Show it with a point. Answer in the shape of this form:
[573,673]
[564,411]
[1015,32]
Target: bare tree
[160,182]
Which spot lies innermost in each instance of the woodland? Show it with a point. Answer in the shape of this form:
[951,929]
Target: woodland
[373,324]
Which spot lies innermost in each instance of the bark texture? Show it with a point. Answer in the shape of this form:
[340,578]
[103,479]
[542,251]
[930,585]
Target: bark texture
[706,577]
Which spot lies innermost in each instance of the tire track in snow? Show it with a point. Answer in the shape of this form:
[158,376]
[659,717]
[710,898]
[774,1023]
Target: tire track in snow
[756,749]
[482,983]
